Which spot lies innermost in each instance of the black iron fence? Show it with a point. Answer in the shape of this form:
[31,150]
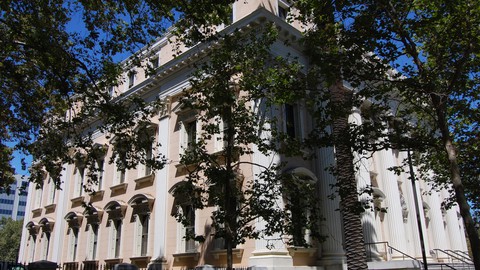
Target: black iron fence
[92,265]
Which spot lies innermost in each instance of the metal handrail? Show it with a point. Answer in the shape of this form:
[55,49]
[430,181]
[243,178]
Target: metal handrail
[399,251]
[405,255]
[464,255]
[452,255]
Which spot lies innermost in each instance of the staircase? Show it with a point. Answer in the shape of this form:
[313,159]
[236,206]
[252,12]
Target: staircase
[380,254]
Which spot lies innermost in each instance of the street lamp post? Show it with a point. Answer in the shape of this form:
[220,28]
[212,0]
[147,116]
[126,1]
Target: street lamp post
[417,210]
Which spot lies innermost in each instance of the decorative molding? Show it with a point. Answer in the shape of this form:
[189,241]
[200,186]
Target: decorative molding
[237,252]
[147,179]
[119,187]
[113,260]
[97,194]
[140,259]
[78,199]
[185,256]
[50,208]
[37,211]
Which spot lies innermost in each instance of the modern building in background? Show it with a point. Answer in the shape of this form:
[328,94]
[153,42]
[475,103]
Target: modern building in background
[131,220]
[13,203]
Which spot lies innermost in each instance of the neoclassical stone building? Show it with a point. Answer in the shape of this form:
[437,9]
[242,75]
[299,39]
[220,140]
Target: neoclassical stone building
[131,219]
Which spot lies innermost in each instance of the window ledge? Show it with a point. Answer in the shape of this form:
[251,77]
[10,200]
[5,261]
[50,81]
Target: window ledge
[186,255]
[238,252]
[37,211]
[77,199]
[98,193]
[90,263]
[140,258]
[119,187]
[302,250]
[147,179]
[113,260]
[51,207]
[182,168]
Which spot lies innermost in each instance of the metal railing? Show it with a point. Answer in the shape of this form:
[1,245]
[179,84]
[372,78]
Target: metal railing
[385,252]
[90,266]
[455,259]
[463,255]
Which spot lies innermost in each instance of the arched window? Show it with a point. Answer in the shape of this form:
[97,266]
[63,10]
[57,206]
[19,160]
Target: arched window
[32,239]
[299,193]
[94,218]
[142,207]
[47,226]
[116,213]
[74,221]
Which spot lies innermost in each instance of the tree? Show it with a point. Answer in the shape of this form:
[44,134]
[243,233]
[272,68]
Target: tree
[334,60]
[58,61]
[416,59]
[433,46]
[233,92]
[10,235]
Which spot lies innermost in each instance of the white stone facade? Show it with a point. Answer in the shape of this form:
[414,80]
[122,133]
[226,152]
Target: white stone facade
[132,219]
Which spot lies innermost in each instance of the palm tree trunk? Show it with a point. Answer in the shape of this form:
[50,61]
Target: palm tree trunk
[347,185]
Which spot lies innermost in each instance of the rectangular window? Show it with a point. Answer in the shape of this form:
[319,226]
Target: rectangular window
[73,243]
[283,11]
[31,252]
[116,235]
[52,191]
[79,180]
[187,231]
[111,91]
[293,121]
[38,197]
[191,133]
[131,79]
[290,123]
[93,245]
[149,156]
[220,138]
[46,244]
[147,135]
[144,223]
[142,234]
[120,172]
[99,166]
[121,175]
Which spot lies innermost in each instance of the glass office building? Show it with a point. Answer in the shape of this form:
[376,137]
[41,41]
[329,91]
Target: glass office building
[13,203]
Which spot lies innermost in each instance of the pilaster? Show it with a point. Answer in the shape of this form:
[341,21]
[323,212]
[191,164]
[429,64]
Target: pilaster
[161,194]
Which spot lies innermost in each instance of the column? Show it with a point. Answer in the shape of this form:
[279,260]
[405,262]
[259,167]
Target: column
[363,182]
[453,226]
[161,195]
[440,239]
[332,251]
[269,253]
[394,215]
[414,241]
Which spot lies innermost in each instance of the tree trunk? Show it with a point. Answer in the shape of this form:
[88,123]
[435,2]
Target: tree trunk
[439,105]
[230,200]
[345,174]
